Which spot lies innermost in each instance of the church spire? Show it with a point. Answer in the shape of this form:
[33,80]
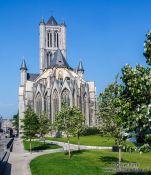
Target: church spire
[23,65]
[80,67]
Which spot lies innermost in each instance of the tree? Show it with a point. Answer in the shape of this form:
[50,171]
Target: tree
[16,122]
[79,123]
[110,120]
[137,90]
[44,125]
[30,125]
[66,121]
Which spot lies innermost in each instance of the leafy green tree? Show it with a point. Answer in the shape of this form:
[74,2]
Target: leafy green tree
[137,91]
[16,122]
[44,125]
[66,121]
[110,120]
[79,123]
[30,125]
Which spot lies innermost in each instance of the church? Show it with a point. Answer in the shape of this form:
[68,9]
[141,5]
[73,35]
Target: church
[56,81]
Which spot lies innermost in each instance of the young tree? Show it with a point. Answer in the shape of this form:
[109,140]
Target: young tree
[44,125]
[79,123]
[66,121]
[30,125]
[110,119]
[16,122]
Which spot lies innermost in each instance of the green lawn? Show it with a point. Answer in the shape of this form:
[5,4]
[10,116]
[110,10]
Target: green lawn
[85,163]
[93,140]
[39,145]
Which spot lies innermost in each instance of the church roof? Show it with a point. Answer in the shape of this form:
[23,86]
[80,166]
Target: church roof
[23,65]
[59,60]
[32,77]
[52,21]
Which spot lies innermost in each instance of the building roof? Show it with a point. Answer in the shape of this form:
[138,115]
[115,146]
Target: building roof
[59,60]
[23,65]
[52,21]
[80,67]
[32,77]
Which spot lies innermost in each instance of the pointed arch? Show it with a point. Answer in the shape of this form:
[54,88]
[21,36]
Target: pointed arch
[65,97]
[55,98]
[38,103]
[85,104]
[46,103]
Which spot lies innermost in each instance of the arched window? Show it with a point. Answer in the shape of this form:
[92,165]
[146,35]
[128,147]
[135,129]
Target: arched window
[60,76]
[55,102]
[46,104]
[65,97]
[57,40]
[85,103]
[49,56]
[38,104]
[49,39]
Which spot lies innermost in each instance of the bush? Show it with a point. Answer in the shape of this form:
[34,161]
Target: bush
[145,148]
[91,131]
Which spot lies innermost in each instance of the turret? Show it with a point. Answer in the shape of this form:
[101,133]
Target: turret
[23,70]
[42,44]
[80,70]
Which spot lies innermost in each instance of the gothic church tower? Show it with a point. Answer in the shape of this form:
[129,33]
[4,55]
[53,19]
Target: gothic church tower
[52,37]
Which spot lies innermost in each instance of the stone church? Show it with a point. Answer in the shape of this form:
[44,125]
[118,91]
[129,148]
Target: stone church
[57,81]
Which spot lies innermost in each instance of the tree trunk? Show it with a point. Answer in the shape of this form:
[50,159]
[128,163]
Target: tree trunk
[30,146]
[69,152]
[119,158]
[78,143]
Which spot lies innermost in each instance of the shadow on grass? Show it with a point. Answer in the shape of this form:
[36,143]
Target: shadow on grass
[73,153]
[134,173]
[44,147]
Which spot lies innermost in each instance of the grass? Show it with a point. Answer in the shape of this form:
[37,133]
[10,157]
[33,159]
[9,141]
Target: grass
[93,140]
[39,146]
[86,163]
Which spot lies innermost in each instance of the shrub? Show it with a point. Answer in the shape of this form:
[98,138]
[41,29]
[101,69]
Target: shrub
[90,131]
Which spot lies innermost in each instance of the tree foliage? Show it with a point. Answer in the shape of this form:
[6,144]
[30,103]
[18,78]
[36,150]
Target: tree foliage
[70,121]
[30,125]
[44,125]
[147,48]
[16,122]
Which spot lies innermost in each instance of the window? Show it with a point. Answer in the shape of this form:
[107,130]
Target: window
[85,103]
[55,102]
[46,104]
[49,39]
[60,76]
[55,39]
[49,55]
[65,97]
[38,104]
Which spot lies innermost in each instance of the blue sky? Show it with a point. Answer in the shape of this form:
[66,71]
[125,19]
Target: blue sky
[104,34]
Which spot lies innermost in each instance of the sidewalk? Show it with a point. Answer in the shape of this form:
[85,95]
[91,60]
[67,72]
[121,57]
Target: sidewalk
[18,162]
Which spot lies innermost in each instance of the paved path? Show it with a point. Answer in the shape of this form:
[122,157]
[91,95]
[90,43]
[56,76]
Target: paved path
[18,162]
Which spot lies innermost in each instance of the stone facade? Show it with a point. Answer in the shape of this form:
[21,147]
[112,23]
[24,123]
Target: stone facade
[57,82]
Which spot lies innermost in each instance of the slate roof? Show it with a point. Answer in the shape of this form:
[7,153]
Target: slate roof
[52,21]
[59,60]
[23,65]
[32,77]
